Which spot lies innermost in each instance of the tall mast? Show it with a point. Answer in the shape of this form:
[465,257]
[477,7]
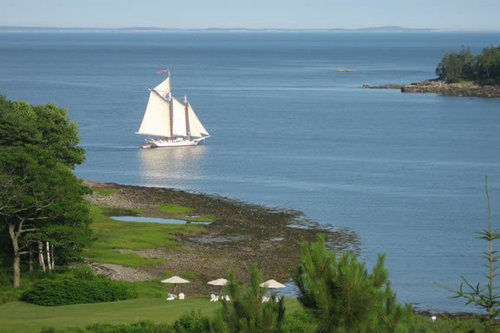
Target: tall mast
[171,109]
[186,109]
[171,114]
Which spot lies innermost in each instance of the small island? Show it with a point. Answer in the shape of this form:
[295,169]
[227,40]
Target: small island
[460,74]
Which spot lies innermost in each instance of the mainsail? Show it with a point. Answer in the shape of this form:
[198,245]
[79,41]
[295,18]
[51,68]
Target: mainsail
[156,120]
[179,117]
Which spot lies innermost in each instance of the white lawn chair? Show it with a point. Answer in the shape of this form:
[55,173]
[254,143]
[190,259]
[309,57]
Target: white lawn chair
[228,299]
[182,296]
[265,299]
[170,297]
[213,298]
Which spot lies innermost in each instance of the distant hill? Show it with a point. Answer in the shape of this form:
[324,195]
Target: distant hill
[210,29]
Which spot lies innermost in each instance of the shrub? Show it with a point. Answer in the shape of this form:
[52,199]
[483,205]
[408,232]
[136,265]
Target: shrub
[139,327]
[300,322]
[72,290]
[193,322]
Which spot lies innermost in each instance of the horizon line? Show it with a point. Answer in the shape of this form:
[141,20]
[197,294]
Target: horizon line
[385,28]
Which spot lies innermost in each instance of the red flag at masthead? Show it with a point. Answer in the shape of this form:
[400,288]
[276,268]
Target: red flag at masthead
[163,71]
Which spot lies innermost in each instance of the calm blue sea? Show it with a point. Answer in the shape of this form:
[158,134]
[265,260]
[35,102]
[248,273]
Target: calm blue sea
[405,172]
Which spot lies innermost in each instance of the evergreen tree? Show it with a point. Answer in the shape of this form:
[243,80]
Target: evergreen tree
[488,66]
[486,296]
[483,68]
[246,311]
[343,296]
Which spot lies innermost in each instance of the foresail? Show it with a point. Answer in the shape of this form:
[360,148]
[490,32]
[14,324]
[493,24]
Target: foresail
[156,119]
[179,116]
[164,88]
[195,125]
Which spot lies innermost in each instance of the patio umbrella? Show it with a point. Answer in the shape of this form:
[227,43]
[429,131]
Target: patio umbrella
[175,280]
[272,284]
[218,282]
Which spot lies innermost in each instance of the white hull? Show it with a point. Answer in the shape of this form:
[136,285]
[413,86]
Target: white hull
[168,143]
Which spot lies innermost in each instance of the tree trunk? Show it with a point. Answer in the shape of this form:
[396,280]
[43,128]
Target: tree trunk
[52,255]
[40,256]
[17,256]
[47,249]
[31,257]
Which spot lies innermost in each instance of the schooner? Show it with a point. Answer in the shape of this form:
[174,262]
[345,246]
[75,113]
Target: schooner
[175,123]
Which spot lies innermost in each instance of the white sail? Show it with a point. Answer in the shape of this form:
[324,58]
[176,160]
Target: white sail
[179,117]
[164,88]
[195,125]
[156,119]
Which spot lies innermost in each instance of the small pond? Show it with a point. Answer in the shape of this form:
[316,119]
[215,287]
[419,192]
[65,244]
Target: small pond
[153,220]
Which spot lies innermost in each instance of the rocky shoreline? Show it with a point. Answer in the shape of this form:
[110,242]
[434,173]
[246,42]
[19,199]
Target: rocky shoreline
[242,234]
[442,88]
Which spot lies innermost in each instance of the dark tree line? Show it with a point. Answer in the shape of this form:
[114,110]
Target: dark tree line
[483,68]
[44,218]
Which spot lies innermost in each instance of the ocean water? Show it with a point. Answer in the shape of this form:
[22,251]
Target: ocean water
[405,172]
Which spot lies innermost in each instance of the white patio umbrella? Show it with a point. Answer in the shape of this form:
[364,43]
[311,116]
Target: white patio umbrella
[272,284]
[218,282]
[175,280]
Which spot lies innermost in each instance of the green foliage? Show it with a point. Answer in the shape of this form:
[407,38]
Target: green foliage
[115,211]
[171,208]
[112,235]
[138,327]
[40,197]
[123,259]
[193,322]
[246,312]
[463,66]
[82,286]
[300,322]
[487,67]
[105,191]
[484,296]
[343,296]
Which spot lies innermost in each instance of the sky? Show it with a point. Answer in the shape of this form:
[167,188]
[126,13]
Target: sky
[282,14]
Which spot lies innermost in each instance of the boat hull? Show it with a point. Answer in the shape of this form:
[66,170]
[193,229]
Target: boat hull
[152,143]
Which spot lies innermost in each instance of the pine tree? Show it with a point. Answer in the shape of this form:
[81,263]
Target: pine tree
[246,312]
[485,296]
[343,296]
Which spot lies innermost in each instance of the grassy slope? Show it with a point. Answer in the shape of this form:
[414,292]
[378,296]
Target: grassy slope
[112,235]
[24,317]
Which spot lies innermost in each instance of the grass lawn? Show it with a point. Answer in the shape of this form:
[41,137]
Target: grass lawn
[112,235]
[24,317]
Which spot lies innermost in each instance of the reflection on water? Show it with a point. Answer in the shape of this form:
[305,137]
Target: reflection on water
[154,220]
[171,167]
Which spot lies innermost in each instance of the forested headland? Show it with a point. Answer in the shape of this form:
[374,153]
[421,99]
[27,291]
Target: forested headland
[483,69]
[460,74]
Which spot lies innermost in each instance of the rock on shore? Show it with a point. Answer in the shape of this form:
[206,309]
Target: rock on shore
[443,88]
[453,89]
